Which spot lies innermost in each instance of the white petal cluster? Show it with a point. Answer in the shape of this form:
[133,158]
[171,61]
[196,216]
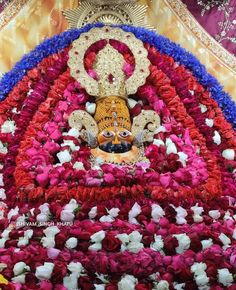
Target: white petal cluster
[200,276]
[96,240]
[131,242]
[44,272]
[134,212]
[157,212]
[127,282]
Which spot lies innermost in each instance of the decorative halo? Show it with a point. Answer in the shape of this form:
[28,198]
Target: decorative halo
[80,46]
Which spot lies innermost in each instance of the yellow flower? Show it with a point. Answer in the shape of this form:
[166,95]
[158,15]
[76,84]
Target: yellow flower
[3,280]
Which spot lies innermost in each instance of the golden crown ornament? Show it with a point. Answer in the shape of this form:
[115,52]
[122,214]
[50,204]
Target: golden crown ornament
[110,132]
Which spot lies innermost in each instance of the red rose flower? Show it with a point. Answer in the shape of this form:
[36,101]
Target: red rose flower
[110,243]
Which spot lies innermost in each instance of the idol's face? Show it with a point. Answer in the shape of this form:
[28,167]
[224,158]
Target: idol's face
[115,140]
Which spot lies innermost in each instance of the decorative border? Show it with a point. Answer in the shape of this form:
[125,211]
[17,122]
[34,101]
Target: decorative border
[163,44]
[228,59]
[10,11]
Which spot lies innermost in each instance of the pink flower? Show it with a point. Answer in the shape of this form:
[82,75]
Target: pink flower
[165,180]
[90,181]
[109,178]
[53,253]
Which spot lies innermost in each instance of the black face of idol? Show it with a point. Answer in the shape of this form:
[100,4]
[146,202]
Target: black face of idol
[116,148]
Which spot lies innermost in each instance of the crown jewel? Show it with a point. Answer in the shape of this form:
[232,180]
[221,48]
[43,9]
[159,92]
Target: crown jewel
[109,63]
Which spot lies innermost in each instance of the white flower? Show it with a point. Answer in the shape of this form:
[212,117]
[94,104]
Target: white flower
[2,243]
[198,210]
[203,108]
[20,222]
[234,234]
[160,129]
[95,247]
[67,215]
[42,218]
[135,236]
[51,231]
[131,103]
[225,277]
[217,138]
[135,211]
[2,266]
[2,194]
[228,154]
[183,158]
[209,122]
[71,282]
[23,241]
[90,107]
[72,132]
[206,243]
[5,233]
[198,268]
[215,214]
[181,214]
[171,148]
[227,216]
[99,286]
[106,219]
[179,286]
[128,282]
[19,268]
[48,242]
[124,238]
[75,267]
[19,279]
[71,144]
[161,285]
[71,243]
[72,205]
[98,237]
[64,156]
[114,212]
[224,239]
[78,165]
[158,142]
[44,272]
[157,212]
[134,247]
[8,127]
[184,243]
[158,244]
[202,279]
[93,212]
[1,180]
[3,149]
[135,244]
[44,208]
[13,212]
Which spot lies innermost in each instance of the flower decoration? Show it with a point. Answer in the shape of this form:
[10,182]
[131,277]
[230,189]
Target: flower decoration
[166,222]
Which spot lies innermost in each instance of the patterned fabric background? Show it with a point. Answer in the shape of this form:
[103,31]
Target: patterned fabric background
[218,17]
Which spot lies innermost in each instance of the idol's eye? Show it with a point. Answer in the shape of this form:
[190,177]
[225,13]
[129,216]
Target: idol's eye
[125,134]
[108,134]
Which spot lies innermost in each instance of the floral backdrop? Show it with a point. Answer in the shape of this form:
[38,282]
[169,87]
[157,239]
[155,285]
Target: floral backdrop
[65,223]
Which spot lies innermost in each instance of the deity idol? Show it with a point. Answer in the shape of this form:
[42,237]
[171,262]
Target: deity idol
[110,133]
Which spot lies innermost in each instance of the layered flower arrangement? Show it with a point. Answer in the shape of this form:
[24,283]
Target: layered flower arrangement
[67,222]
